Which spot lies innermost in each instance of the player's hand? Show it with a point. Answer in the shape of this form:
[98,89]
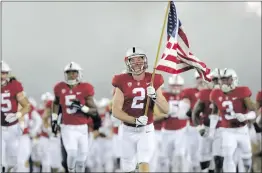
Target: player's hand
[151,92]
[76,104]
[55,127]
[142,120]
[240,117]
[12,117]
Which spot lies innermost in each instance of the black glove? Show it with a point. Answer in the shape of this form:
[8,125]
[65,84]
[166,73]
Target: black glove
[76,104]
[55,127]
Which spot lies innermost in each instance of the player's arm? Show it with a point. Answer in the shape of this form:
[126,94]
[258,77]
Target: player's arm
[55,108]
[23,101]
[47,113]
[161,102]
[90,103]
[198,108]
[183,108]
[118,102]
[251,106]
[158,115]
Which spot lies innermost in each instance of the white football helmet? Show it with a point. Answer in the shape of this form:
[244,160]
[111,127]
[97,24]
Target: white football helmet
[176,83]
[47,96]
[32,101]
[135,52]
[214,75]
[229,79]
[5,69]
[72,66]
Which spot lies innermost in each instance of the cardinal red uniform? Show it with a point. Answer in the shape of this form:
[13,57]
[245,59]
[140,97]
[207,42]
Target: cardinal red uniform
[136,142]
[205,143]
[259,99]
[193,135]
[10,131]
[74,129]
[234,133]
[174,131]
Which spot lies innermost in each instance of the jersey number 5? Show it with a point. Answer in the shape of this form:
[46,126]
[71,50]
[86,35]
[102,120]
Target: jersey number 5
[5,100]
[141,97]
[230,113]
[68,102]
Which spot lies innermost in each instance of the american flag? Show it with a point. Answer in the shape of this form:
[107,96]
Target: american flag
[177,57]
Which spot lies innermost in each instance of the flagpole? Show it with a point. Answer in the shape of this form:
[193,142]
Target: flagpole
[157,54]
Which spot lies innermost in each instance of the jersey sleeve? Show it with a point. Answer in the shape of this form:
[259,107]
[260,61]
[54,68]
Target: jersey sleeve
[116,82]
[56,90]
[89,90]
[259,97]
[203,95]
[214,95]
[246,92]
[159,81]
[185,94]
[18,87]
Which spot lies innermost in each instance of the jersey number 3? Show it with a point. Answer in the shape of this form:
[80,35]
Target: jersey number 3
[5,100]
[141,97]
[230,113]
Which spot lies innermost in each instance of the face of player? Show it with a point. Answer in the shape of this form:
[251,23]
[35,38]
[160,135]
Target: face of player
[176,89]
[72,75]
[200,83]
[226,81]
[4,76]
[137,64]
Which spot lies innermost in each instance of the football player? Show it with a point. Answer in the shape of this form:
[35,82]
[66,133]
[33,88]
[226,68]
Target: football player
[200,117]
[129,102]
[232,109]
[174,147]
[186,104]
[77,104]
[12,94]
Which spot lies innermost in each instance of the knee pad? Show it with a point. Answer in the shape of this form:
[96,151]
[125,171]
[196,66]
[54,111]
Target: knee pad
[219,161]
[204,165]
[81,157]
[71,160]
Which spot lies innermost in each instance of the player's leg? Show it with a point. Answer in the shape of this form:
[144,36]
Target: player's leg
[45,154]
[70,140]
[167,149]
[217,153]
[14,133]
[128,140]
[179,160]
[82,148]
[229,146]
[145,147]
[245,149]
[205,153]
[24,152]
[3,163]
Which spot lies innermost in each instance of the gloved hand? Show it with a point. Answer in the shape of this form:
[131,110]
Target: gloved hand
[12,117]
[151,92]
[55,127]
[76,104]
[240,117]
[142,120]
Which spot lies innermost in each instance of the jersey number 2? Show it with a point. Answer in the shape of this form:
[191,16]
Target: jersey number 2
[230,113]
[68,102]
[141,97]
[5,100]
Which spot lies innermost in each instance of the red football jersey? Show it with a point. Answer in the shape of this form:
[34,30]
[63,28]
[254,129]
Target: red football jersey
[158,124]
[66,94]
[172,122]
[203,96]
[9,103]
[192,95]
[229,104]
[135,95]
[259,98]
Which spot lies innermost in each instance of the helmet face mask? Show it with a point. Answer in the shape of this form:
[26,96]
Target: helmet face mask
[136,61]
[73,73]
[228,80]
